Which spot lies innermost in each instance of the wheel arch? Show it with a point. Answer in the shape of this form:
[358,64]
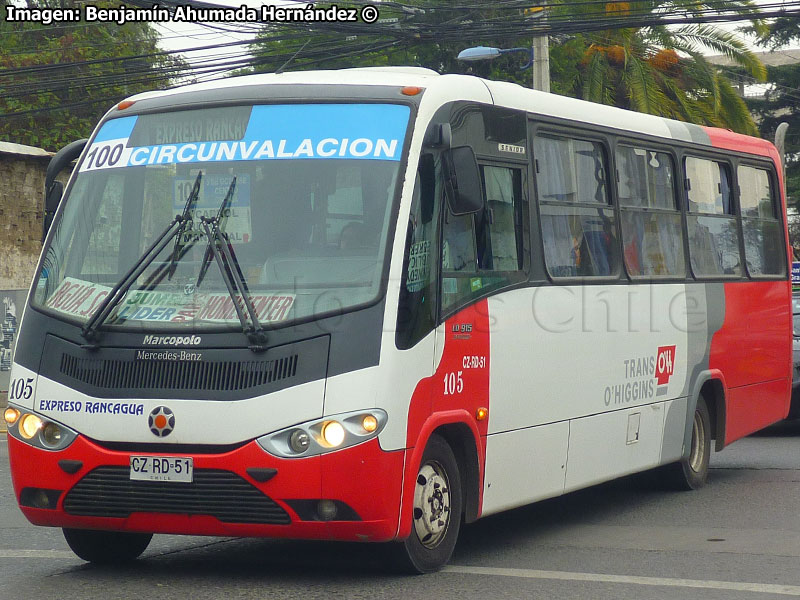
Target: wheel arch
[711,386]
[462,442]
[459,430]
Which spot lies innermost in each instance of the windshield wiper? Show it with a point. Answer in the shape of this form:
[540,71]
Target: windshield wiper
[220,249]
[191,202]
[222,219]
[176,226]
[89,331]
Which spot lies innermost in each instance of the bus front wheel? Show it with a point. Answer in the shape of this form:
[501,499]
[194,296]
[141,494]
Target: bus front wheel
[436,510]
[106,547]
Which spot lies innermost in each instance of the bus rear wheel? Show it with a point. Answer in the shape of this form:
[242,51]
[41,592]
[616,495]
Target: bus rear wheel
[436,510]
[692,472]
[107,547]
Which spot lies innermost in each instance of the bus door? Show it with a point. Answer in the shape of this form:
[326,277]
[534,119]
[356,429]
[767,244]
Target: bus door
[485,312]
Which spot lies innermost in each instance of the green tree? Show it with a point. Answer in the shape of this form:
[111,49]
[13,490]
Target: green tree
[650,68]
[58,80]
[781,101]
[657,69]
[415,38]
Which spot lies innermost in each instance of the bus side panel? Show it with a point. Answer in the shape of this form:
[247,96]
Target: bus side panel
[613,444]
[758,372]
[524,466]
[757,313]
[753,407]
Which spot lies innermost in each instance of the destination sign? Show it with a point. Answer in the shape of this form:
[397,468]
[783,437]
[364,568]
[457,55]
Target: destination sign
[180,127]
[272,132]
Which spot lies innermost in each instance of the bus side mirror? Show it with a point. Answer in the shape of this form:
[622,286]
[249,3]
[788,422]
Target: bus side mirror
[462,181]
[438,135]
[51,201]
[53,190]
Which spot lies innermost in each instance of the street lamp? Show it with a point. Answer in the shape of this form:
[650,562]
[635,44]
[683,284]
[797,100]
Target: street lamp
[486,53]
[539,53]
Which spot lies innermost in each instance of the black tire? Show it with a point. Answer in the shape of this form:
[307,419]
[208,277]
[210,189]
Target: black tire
[434,530]
[107,547]
[691,473]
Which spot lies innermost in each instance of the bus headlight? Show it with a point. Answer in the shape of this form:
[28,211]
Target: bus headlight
[299,441]
[29,426]
[333,433]
[38,430]
[52,435]
[11,415]
[325,435]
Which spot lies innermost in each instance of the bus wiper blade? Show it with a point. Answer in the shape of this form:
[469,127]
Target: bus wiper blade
[191,203]
[234,282]
[89,331]
[176,226]
[222,219]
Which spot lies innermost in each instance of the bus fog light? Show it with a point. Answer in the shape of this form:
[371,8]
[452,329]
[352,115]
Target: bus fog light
[52,435]
[29,426]
[333,433]
[299,441]
[369,423]
[11,415]
[326,509]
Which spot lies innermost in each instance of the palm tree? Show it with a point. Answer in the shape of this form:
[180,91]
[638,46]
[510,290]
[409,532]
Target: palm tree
[658,69]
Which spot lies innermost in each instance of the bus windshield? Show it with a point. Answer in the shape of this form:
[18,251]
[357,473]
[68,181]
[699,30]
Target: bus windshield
[309,189]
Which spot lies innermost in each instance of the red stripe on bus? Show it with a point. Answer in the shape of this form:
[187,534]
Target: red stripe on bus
[758,389]
[455,392]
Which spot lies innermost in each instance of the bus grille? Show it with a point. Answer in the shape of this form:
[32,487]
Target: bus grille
[109,492]
[183,375]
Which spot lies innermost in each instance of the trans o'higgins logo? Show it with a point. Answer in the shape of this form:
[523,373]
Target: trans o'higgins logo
[172,340]
[665,365]
[644,378]
[161,421]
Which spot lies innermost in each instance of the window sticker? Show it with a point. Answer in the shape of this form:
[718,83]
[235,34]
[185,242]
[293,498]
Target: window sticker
[419,267]
[81,298]
[236,223]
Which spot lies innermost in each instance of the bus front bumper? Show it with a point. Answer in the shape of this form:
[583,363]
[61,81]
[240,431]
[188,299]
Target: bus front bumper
[352,494]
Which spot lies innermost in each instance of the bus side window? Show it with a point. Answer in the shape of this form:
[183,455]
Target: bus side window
[713,230]
[486,251]
[504,212]
[652,233]
[417,308]
[764,249]
[578,223]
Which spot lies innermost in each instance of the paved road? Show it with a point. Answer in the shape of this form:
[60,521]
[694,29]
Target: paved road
[737,538]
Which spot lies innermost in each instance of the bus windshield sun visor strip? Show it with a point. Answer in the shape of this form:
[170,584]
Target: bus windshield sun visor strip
[176,227]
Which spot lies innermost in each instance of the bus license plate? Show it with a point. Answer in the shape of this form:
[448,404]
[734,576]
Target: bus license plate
[161,468]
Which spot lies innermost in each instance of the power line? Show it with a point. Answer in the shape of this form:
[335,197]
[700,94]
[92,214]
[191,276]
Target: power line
[460,24]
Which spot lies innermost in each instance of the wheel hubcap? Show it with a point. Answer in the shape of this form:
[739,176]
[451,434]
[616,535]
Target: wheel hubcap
[698,443]
[431,505]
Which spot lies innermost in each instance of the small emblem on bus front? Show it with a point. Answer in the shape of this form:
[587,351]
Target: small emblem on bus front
[161,421]
[172,340]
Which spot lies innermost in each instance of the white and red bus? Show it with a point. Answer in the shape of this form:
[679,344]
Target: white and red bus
[373,304]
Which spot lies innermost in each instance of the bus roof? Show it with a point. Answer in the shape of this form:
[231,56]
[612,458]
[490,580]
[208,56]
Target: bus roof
[463,87]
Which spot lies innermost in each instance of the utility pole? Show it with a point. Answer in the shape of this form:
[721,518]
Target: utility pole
[541,63]
[540,59]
